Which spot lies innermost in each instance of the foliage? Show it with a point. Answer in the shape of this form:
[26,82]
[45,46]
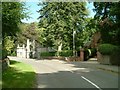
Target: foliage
[4,53]
[46,54]
[12,13]
[90,27]
[59,20]
[66,53]
[13,53]
[9,44]
[20,74]
[86,54]
[115,57]
[106,49]
[93,52]
[30,31]
[108,15]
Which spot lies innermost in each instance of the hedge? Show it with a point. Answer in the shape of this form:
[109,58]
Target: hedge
[106,49]
[111,50]
[46,54]
[65,53]
[115,57]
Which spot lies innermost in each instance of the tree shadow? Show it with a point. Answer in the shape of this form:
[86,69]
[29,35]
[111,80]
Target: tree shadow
[13,78]
[65,80]
[61,79]
[13,62]
[68,79]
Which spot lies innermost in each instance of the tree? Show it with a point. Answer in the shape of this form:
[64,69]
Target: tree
[108,15]
[59,20]
[9,44]
[28,31]
[12,13]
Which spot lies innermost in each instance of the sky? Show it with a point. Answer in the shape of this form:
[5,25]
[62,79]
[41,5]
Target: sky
[33,8]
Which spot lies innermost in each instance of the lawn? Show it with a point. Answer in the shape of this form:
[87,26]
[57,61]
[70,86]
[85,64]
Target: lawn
[18,75]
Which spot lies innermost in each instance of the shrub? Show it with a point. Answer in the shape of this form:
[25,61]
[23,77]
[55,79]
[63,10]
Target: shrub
[66,53]
[93,52]
[115,57]
[106,49]
[4,53]
[46,54]
[13,54]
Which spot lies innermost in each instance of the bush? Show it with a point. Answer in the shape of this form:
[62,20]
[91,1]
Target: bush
[115,57]
[4,53]
[13,53]
[93,52]
[66,53]
[106,49]
[46,54]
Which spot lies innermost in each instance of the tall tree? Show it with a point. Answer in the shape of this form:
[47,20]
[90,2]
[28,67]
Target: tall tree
[59,20]
[12,13]
[30,31]
[108,14]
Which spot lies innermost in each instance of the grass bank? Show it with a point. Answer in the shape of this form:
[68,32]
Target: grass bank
[18,75]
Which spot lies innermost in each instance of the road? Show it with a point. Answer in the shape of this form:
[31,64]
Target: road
[61,74]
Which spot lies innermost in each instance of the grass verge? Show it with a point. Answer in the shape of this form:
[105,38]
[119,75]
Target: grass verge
[18,75]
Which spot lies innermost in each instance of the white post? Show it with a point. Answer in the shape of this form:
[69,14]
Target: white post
[28,48]
[33,48]
[74,32]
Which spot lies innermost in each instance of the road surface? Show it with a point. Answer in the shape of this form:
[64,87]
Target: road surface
[61,74]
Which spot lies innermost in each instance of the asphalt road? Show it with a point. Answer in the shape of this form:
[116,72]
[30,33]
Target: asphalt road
[60,74]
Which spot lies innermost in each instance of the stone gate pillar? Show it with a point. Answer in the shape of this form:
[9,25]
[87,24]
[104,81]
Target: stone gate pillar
[82,54]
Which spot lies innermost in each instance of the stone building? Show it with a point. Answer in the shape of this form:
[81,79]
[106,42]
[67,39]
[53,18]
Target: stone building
[24,52]
[31,50]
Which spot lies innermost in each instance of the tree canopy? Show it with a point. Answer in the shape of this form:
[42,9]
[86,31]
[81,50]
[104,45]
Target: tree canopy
[12,13]
[59,20]
[108,15]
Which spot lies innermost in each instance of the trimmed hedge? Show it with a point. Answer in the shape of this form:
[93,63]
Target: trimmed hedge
[106,49]
[115,57]
[66,53]
[111,50]
[46,54]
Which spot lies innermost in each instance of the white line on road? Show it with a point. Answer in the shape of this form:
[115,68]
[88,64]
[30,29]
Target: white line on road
[91,83]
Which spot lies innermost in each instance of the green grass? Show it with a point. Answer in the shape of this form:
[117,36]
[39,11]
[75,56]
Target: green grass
[18,75]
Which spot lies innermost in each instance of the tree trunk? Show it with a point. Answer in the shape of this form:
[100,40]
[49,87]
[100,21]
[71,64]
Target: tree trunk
[59,49]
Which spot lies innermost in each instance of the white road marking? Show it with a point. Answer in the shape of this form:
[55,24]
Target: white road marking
[91,82]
